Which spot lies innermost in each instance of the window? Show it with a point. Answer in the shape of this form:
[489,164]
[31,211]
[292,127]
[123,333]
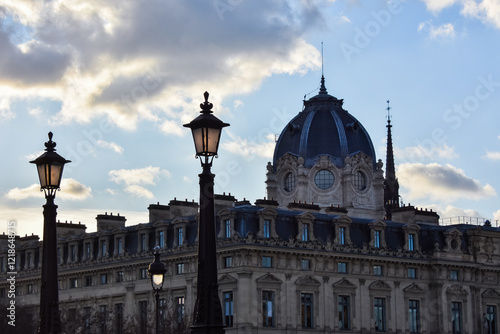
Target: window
[28,260]
[377,270]
[268,309]
[73,283]
[414,316]
[379,314]
[266,233]
[120,276]
[267,261]
[290,182]
[306,310]
[412,273]
[342,267]
[88,280]
[456,318]
[29,289]
[119,246]
[180,268]
[454,275]
[144,273]
[343,310]
[342,235]
[72,253]
[228,309]
[228,262]
[118,318]
[491,318]
[359,180]
[227,228]
[376,241]
[161,239]
[103,248]
[180,312]
[143,316]
[324,179]
[104,278]
[103,310]
[2,264]
[87,312]
[143,242]
[87,250]
[305,264]
[305,232]
[179,236]
[2,292]
[411,242]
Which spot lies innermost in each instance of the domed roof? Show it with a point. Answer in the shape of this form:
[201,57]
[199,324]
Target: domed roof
[323,127]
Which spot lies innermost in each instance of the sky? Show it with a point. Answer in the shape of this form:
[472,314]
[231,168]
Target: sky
[116,80]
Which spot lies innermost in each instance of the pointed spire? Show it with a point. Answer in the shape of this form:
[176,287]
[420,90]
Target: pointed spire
[391,184]
[322,89]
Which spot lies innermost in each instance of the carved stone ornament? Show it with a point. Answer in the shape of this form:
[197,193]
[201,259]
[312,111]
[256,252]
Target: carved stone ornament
[380,285]
[456,290]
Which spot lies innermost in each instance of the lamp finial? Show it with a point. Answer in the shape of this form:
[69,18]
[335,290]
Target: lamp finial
[206,107]
[50,145]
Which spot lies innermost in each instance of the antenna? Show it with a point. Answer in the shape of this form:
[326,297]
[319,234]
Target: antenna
[321,58]
[388,111]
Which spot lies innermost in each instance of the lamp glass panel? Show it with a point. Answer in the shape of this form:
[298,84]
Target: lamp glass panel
[157,281]
[42,175]
[55,175]
[212,143]
[198,140]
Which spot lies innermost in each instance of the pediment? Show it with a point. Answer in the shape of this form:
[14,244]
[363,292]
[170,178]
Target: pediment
[491,294]
[307,280]
[267,212]
[456,290]
[180,220]
[306,216]
[344,284]
[227,279]
[269,279]
[344,219]
[380,285]
[414,289]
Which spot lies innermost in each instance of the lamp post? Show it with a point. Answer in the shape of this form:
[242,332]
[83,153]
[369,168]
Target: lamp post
[157,272]
[207,316]
[50,167]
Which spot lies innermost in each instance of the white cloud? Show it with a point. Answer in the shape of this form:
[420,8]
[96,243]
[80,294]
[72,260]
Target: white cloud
[496,216]
[420,153]
[486,10]
[123,62]
[442,183]
[442,33]
[438,5]
[146,175]
[113,146]
[493,155]
[237,103]
[250,149]
[139,191]
[36,112]
[70,190]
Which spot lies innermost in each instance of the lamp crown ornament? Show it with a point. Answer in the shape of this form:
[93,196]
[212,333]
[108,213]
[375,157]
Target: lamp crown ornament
[206,107]
[50,145]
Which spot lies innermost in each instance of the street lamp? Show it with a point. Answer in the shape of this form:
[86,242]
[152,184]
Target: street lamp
[50,167]
[157,272]
[207,316]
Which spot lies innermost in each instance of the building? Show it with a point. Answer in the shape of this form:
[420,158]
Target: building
[319,254]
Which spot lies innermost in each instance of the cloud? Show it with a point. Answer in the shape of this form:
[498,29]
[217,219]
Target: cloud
[442,33]
[148,60]
[146,175]
[442,183]
[250,149]
[113,146]
[139,191]
[493,155]
[496,216]
[71,190]
[421,153]
[237,103]
[438,5]
[487,11]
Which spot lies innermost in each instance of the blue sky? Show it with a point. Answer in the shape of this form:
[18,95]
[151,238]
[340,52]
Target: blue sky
[115,80]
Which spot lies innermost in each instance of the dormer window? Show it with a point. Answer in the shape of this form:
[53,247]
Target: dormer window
[324,179]
[180,236]
[305,232]
[267,219]
[119,246]
[359,181]
[376,239]
[411,241]
[342,235]
[411,237]
[143,242]
[161,239]
[289,182]
[266,228]
[227,228]
[103,248]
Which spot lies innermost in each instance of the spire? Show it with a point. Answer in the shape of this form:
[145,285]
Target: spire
[391,184]
[322,89]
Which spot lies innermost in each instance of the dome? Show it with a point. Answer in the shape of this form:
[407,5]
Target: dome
[324,128]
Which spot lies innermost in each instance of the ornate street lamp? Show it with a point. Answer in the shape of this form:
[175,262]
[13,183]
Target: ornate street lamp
[207,316]
[50,167]
[157,272]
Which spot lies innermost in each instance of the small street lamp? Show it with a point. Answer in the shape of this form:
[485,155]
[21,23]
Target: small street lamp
[207,315]
[157,272]
[50,167]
